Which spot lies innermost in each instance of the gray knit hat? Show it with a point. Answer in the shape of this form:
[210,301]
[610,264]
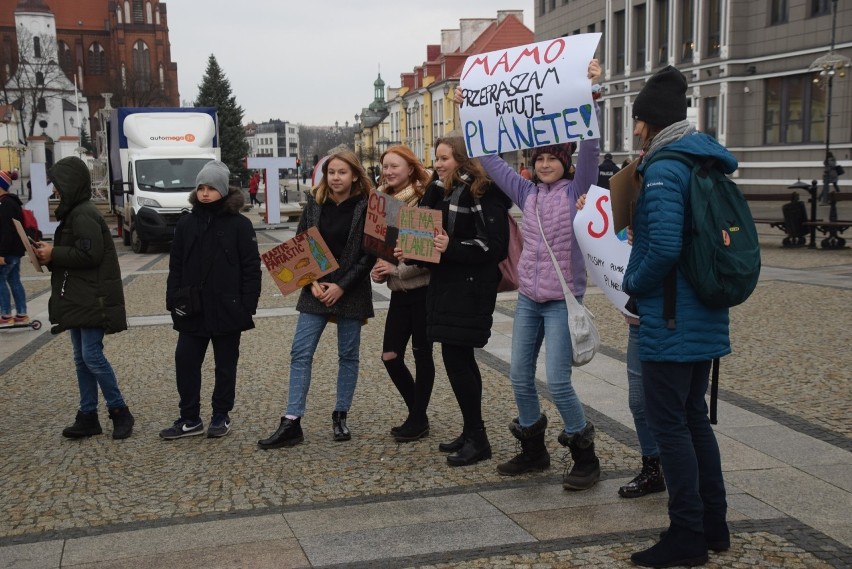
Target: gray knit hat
[216,175]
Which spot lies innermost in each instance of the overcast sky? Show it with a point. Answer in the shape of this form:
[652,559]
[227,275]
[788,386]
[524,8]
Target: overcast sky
[312,62]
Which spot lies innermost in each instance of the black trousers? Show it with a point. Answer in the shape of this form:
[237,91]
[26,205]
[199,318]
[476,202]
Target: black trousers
[189,355]
[407,319]
[466,381]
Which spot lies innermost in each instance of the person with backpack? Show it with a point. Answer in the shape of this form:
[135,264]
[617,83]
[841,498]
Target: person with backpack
[11,252]
[676,350]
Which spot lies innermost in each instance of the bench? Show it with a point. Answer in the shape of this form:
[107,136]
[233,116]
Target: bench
[793,237]
[833,229]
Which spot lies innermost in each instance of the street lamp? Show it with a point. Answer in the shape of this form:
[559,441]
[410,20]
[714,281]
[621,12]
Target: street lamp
[828,66]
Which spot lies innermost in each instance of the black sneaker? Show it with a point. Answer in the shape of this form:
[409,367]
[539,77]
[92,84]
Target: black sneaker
[220,425]
[183,428]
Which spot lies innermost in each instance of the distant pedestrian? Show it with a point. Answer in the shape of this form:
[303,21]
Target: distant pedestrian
[525,172]
[831,174]
[87,297]
[254,183]
[338,210]
[625,164]
[405,179]
[606,170]
[212,292]
[11,252]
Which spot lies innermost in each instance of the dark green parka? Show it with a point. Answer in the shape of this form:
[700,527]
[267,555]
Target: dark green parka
[86,289]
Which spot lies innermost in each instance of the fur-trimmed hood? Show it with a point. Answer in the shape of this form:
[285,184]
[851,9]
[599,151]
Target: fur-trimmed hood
[234,201]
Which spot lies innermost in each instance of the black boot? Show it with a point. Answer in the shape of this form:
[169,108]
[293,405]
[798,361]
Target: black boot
[85,425]
[122,422]
[716,533]
[453,445]
[679,546]
[338,424]
[648,481]
[412,430]
[289,434]
[475,448]
[586,470]
[534,456]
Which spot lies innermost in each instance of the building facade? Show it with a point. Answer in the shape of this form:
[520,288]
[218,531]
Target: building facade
[756,81]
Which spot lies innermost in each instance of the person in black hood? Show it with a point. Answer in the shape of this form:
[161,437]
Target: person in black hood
[11,252]
[212,292]
[87,297]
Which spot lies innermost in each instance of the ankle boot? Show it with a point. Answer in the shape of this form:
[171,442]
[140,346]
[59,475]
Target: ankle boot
[586,470]
[85,425]
[716,533]
[679,546]
[338,425]
[648,481]
[122,422]
[289,434]
[534,456]
[453,445]
[412,430]
[475,448]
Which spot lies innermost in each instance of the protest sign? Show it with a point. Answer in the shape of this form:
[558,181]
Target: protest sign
[380,228]
[299,261]
[417,230]
[606,253]
[528,96]
[22,235]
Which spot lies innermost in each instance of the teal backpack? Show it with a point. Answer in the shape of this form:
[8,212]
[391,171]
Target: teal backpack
[721,253]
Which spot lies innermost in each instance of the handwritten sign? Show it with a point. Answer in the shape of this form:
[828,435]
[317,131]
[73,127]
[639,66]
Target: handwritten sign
[606,253]
[417,230]
[299,261]
[22,235]
[380,229]
[528,96]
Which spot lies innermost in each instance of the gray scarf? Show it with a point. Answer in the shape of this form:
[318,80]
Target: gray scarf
[671,133]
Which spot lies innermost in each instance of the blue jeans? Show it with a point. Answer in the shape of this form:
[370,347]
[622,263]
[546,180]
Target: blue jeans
[536,322]
[689,453]
[309,328]
[636,395]
[10,274]
[94,370]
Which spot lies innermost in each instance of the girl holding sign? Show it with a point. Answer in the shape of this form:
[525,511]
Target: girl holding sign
[344,296]
[404,178]
[463,287]
[541,314]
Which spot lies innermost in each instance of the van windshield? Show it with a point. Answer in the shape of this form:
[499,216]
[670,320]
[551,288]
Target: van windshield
[168,174]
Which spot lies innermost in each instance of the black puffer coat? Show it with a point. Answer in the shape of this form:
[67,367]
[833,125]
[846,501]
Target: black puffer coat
[463,286]
[10,242]
[85,280]
[217,244]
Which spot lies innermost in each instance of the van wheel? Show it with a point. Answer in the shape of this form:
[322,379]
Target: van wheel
[137,244]
[125,234]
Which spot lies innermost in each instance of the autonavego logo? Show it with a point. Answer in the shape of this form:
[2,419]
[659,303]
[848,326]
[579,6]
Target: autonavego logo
[188,137]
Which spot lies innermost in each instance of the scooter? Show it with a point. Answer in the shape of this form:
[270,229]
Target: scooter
[34,324]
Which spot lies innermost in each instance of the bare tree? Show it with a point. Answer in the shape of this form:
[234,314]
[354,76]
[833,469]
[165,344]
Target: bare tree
[134,89]
[36,79]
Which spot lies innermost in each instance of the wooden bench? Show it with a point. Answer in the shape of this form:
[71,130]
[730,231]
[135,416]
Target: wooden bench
[833,229]
[793,238]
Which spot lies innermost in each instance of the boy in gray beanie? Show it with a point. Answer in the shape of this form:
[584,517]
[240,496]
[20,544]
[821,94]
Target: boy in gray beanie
[216,175]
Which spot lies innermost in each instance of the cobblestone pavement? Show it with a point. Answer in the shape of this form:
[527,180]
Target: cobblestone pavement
[789,370]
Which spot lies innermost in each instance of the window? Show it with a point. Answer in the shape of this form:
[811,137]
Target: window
[618,128]
[66,59]
[138,12]
[552,5]
[39,78]
[41,106]
[37,47]
[714,28]
[141,61]
[662,31]
[602,44]
[640,28]
[687,41]
[795,111]
[97,59]
[711,116]
[619,42]
[777,12]
[542,7]
[820,7]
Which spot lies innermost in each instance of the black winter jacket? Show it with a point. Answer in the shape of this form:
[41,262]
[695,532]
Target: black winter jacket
[85,280]
[463,286]
[353,275]
[217,244]
[10,242]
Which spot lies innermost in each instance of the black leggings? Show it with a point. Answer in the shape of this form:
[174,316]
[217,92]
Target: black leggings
[466,382]
[407,319]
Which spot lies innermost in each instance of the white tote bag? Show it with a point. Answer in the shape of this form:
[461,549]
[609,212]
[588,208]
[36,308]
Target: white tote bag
[585,339]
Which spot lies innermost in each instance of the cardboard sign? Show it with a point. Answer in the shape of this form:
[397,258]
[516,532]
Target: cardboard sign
[417,230]
[625,186]
[606,252]
[380,228]
[299,261]
[528,96]
[22,234]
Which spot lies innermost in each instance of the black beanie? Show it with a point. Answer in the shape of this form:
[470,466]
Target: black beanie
[662,101]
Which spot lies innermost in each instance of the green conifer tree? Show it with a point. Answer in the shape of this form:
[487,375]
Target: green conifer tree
[215,91]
